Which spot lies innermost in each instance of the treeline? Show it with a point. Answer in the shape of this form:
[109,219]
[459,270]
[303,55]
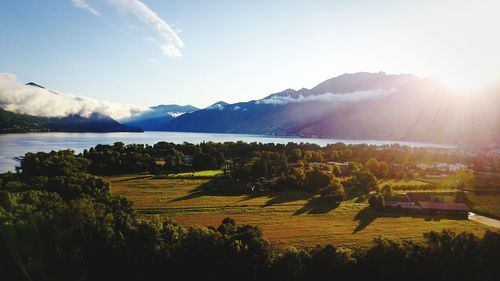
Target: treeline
[58,222]
[120,158]
[335,171]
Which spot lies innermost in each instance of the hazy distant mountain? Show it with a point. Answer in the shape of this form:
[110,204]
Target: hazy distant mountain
[360,105]
[158,116]
[29,108]
[280,113]
[11,122]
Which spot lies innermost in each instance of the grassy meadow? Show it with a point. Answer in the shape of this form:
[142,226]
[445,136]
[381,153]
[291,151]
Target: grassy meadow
[196,174]
[487,204]
[286,218]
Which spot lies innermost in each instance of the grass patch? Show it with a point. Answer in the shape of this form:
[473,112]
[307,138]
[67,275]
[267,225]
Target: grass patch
[287,218]
[488,204]
[397,183]
[207,174]
[406,184]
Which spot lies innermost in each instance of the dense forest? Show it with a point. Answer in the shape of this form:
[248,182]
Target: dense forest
[58,222]
[333,170]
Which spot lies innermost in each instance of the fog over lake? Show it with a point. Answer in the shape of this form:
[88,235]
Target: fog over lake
[15,145]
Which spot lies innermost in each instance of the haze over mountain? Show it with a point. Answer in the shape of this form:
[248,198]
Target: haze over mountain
[360,105]
[351,106]
[158,116]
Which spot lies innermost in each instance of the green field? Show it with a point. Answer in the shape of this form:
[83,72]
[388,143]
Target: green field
[286,218]
[487,204]
[207,173]
[411,185]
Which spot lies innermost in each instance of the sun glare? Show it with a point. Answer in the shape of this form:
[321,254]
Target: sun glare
[464,83]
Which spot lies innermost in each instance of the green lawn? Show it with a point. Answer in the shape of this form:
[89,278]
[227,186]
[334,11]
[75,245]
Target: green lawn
[488,204]
[439,183]
[405,184]
[206,173]
[286,218]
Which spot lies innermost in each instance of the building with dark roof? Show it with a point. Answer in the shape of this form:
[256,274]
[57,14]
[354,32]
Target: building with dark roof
[405,205]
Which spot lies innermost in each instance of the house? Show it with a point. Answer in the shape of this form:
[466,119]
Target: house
[444,208]
[188,159]
[444,167]
[342,165]
[318,164]
[406,205]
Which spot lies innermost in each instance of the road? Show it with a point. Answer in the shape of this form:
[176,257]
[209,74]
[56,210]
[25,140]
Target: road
[484,220]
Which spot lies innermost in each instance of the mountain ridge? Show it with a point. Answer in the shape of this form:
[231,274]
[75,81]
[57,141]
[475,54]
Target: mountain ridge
[359,105]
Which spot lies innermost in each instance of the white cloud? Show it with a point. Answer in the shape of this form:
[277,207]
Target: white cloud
[31,100]
[168,38]
[218,106]
[170,42]
[175,114]
[82,4]
[328,97]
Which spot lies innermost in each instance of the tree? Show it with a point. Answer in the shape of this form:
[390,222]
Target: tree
[463,179]
[334,191]
[204,161]
[60,163]
[318,156]
[295,155]
[372,165]
[362,181]
[316,179]
[376,202]
[352,168]
[379,168]
[386,190]
[336,171]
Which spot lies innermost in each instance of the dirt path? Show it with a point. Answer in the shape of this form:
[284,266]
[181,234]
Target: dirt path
[484,220]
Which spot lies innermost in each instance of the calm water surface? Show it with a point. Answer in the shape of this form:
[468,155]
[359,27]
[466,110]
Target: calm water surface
[14,145]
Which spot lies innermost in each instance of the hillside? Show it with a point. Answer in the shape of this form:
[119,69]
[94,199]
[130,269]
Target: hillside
[11,122]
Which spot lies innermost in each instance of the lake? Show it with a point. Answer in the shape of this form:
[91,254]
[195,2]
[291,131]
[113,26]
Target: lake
[14,145]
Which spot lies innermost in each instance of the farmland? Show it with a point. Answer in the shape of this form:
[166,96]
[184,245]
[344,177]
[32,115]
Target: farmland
[287,218]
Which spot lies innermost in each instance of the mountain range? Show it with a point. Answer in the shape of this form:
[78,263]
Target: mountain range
[351,106]
[358,106]
[157,118]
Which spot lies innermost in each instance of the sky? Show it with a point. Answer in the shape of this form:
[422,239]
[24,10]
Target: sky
[152,52]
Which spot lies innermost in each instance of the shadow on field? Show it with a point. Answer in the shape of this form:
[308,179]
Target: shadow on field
[365,218]
[276,198]
[284,197]
[199,191]
[317,205]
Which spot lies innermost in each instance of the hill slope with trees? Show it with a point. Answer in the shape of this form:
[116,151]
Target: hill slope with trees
[11,122]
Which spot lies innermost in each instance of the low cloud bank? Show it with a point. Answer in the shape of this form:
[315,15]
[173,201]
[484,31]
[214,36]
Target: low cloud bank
[328,97]
[32,100]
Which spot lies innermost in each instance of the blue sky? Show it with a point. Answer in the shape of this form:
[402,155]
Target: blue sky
[240,50]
